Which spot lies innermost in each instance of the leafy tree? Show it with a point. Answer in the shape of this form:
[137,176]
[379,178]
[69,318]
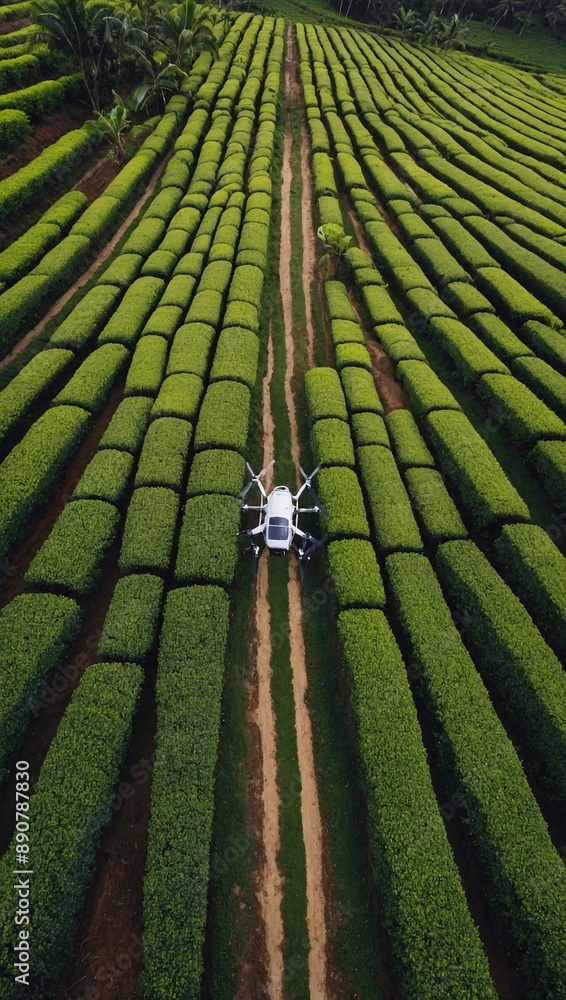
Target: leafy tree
[162,79]
[405,20]
[81,31]
[336,243]
[452,35]
[182,32]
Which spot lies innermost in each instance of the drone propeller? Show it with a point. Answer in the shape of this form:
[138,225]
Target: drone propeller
[311,489]
[304,554]
[255,479]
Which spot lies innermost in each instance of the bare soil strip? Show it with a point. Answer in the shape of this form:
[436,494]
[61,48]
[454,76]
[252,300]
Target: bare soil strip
[310,807]
[269,889]
[87,275]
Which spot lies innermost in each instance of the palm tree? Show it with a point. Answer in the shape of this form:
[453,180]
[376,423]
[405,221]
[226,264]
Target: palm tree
[506,10]
[405,20]
[181,34]
[73,28]
[427,31]
[453,34]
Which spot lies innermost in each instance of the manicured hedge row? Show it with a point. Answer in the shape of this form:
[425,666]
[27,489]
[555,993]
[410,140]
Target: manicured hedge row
[369,428]
[208,550]
[355,575]
[536,570]
[91,384]
[408,444]
[524,872]
[191,349]
[188,691]
[471,358]
[132,620]
[31,471]
[20,189]
[164,454]
[106,477]
[179,396]
[548,384]
[126,430]
[511,651]
[325,397]
[525,417]
[35,629]
[71,557]
[149,529]
[510,298]
[224,417]
[549,460]
[14,128]
[485,492]
[331,443]
[497,335]
[236,356]
[86,319]
[393,521]
[147,366]
[20,257]
[340,493]
[338,303]
[216,471]
[137,305]
[41,99]
[29,386]
[70,805]
[434,508]
[433,936]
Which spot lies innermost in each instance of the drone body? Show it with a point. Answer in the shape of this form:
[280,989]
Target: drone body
[279,513]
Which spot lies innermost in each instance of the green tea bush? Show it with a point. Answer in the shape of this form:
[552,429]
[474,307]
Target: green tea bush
[359,391]
[179,396]
[546,343]
[208,549]
[148,533]
[164,321]
[106,477]
[471,358]
[356,355]
[434,508]
[484,490]
[71,803]
[178,293]
[393,521]
[398,343]
[224,417]
[14,128]
[369,428]
[188,691]
[23,187]
[355,575]
[132,620]
[408,445]
[338,303]
[544,381]
[90,386]
[433,936]
[341,495]
[549,461]
[331,443]
[127,428]
[324,394]
[31,471]
[191,350]
[123,271]
[505,823]
[71,557]
[236,356]
[525,417]
[35,630]
[510,298]
[146,237]
[426,391]
[128,319]
[145,373]
[512,654]
[536,570]
[216,471]
[346,332]
[497,335]
[29,387]
[164,453]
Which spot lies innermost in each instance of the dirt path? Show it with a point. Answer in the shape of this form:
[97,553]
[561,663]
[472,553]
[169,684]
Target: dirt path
[262,717]
[310,807]
[87,275]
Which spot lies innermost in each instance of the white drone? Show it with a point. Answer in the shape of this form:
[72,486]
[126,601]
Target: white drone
[279,518]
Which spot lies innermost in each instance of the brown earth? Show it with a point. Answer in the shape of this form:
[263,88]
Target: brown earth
[43,134]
